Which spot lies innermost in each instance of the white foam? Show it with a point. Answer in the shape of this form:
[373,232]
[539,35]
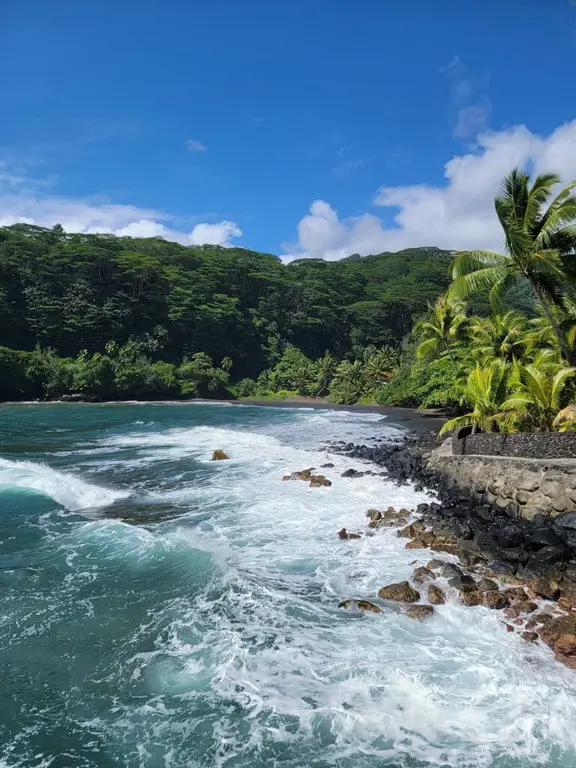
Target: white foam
[66,489]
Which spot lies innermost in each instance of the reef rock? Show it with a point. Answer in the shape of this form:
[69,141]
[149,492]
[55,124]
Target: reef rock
[401,592]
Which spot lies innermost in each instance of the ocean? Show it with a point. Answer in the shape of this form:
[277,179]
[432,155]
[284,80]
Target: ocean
[159,610]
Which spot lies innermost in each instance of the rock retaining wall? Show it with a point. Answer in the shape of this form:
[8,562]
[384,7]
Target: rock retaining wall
[533,445]
[528,487]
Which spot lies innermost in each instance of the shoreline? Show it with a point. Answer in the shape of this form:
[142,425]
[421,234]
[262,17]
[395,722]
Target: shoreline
[409,419]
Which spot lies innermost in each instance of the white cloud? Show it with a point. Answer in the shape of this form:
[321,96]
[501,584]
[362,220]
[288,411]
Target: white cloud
[215,234]
[193,145]
[471,105]
[457,215]
[472,119]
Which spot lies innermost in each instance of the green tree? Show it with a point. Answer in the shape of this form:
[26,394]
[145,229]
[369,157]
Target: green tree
[540,247]
[443,329]
[499,336]
[487,392]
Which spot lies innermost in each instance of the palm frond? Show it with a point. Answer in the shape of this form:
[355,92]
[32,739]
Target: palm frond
[482,279]
[468,261]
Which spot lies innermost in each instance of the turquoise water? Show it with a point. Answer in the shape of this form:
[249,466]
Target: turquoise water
[159,610]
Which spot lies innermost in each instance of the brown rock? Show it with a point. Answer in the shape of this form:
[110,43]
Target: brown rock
[531,624]
[401,592]
[509,628]
[471,598]
[412,530]
[343,534]
[560,635]
[421,575]
[362,605]
[422,541]
[304,474]
[544,586]
[566,604]
[487,585]
[525,606]
[515,593]
[317,481]
[511,613]
[543,617]
[374,515]
[219,456]
[435,595]
[420,612]
[519,622]
[530,637]
[495,600]
[435,565]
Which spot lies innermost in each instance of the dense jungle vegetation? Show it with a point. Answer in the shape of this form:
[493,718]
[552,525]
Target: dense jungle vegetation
[103,317]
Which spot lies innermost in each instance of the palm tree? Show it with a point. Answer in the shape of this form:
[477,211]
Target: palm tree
[540,247]
[499,336]
[541,385]
[486,391]
[380,366]
[443,329]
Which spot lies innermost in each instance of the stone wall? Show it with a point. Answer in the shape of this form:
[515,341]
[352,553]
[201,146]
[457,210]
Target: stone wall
[544,445]
[528,486]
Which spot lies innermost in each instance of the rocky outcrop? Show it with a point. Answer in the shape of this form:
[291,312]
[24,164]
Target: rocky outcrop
[314,481]
[361,605]
[560,635]
[435,595]
[317,481]
[400,592]
[420,612]
[219,456]
[343,534]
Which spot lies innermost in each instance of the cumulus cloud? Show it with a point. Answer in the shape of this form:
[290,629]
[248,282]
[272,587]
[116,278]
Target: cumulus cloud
[456,215]
[215,234]
[193,145]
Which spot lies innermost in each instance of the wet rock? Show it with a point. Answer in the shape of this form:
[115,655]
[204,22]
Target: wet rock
[542,579]
[509,537]
[362,605]
[509,628]
[472,598]
[328,465]
[352,473]
[422,575]
[515,593]
[530,637]
[560,635]
[435,595]
[495,600]
[544,537]
[219,456]
[400,592]
[511,613]
[435,565]
[304,474]
[412,530]
[566,604]
[525,606]
[461,581]
[423,541]
[420,612]
[343,534]
[317,481]
[487,585]
[543,617]
[389,517]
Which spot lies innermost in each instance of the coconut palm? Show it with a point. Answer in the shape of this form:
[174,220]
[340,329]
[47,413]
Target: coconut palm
[499,336]
[380,366]
[540,247]
[443,329]
[486,391]
[539,388]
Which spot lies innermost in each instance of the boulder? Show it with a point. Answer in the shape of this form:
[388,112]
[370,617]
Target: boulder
[560,635]
[352,473]
[543,537]
[525,606]
[461,581]
[412,530]
[495,600]
[472,598]
[530,637]
[401,592]
[487,585]
[515,593]
[328,465]
[420,612]
[343,534]
[219,456]
[435,565]
[362,605]
[509,536]
[542,579]
[435,595]
[422,575]
[317,481]
[304,474]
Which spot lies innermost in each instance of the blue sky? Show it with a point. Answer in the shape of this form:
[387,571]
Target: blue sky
[312,128]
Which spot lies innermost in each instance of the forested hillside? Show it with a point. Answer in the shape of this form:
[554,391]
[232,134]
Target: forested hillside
[73,292]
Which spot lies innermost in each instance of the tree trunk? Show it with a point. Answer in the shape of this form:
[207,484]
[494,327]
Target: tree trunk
[566,351]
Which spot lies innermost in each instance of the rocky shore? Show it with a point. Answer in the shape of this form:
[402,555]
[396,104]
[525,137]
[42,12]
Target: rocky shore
[524,568]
